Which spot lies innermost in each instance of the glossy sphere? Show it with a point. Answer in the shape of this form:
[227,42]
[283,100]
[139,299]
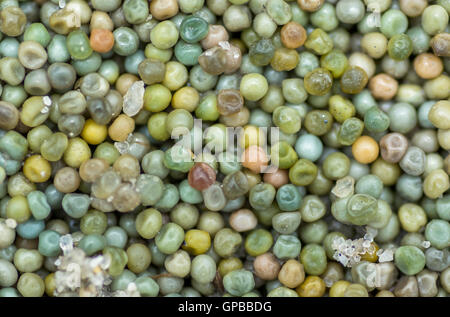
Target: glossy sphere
[78,45]
[164,9]
[94,133]
[439,114]
[365,150]
[383,86]
[201,176]
[428,66]
[287,119]
[101,40]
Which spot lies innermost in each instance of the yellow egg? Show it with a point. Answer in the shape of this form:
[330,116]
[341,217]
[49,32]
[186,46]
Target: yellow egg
[252,135]
[94,133]
[50,285]
[186,98]
[37,169]
[197,241]
[313,286]
[77,152]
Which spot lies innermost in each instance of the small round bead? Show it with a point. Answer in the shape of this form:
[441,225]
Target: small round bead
[434,19]
[365,150]
[201,176]
[164,9]
[253,86]
[439,114]
[350,11]
[353,80]
[310,5]
[374,44]
[383,86]
[393,147]
[266,266]
[291,274]
[277,178]
[428,66]
[101,40]
[66,180]
[243,220]
[413,8]
[255,159]
[31,285]
[121,127]
[409,260]
[293,35]
[436,183]
[313,286]
[37,169]
[318,82]
[412,217]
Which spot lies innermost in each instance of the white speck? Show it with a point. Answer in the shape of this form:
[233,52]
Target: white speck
[62,4]
[386,256]
[66,243]
[225,45]
[122,147]
[426,244]
[47,100]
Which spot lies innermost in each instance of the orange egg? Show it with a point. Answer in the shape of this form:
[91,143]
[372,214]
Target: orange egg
[101,40]
[255,159]
[365,149]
